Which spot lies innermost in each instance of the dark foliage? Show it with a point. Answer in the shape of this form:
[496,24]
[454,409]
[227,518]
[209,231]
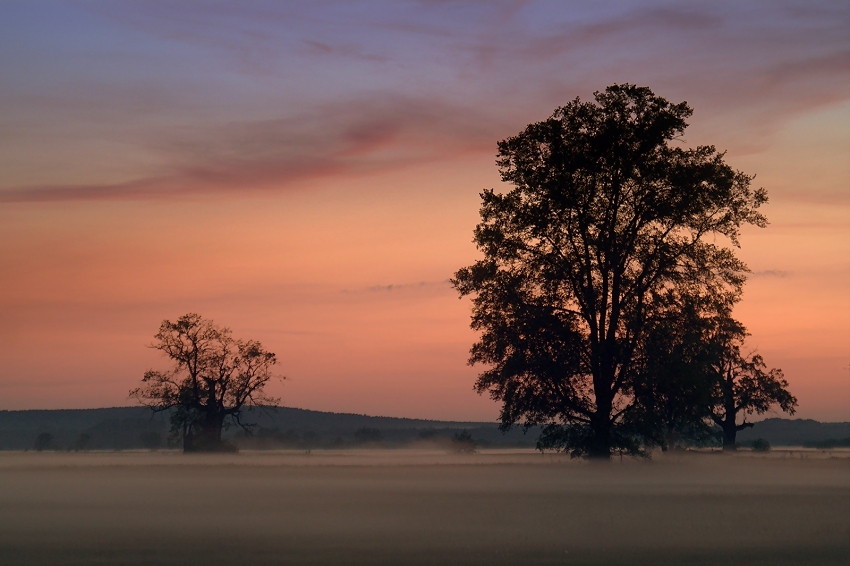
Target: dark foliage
[829,443]
[43,441]
[367,436]
[609,225]
[760,445]
[152,440]
[124,427]
[462,443]
[674,383]
[83,442]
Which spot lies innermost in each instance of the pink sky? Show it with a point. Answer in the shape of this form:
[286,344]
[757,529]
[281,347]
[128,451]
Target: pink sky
[309,177]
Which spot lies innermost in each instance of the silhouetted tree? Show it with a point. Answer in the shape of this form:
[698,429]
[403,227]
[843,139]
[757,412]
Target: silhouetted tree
[674,381]
[214,378]
[462,443]
[605,218]
[743,385]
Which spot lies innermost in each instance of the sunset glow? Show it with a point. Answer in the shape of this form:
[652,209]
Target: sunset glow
[308,175]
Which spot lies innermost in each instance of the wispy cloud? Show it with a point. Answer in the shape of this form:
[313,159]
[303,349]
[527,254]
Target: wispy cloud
[355,138]
[776,273]
[409,286]
[261,96]
[445,284]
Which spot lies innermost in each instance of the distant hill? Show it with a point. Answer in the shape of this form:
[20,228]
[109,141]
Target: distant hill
[123,428]
[116,428]
[795,432]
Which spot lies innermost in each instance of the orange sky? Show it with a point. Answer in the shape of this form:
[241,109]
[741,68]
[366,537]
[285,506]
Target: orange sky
[316,193]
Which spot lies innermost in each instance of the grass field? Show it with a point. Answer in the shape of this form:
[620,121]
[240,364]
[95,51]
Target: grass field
[423,507]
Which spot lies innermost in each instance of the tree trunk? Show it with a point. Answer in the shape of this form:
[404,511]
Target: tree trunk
[188,438]
[729,433]
[206,437]
[599,445]
[730,413]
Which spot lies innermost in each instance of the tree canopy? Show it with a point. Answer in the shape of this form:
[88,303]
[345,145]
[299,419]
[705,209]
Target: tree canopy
[213,379]
[609,226]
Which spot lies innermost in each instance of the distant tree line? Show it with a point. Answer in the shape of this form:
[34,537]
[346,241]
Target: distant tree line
[139,434]
[279,428]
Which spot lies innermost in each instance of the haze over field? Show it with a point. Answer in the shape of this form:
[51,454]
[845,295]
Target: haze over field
[409,507]
[308,174]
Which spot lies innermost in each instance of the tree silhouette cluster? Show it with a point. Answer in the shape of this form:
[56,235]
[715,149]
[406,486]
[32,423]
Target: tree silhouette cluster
[214,377]
[604,298]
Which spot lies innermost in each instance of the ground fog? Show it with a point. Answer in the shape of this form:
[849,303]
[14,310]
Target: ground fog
[423,507]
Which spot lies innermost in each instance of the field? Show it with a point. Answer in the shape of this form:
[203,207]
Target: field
[423,507]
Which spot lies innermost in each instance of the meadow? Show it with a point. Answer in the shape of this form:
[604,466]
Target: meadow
[423,507]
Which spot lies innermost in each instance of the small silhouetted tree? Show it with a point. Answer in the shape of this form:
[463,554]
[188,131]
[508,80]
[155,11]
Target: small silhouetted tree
[462,443]
[743,385]
[606,216]
[213,379]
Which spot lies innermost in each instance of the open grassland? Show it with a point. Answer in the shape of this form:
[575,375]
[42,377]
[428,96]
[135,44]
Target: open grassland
[423,507]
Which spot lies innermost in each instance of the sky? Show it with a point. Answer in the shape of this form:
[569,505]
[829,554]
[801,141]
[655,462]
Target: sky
[308,174]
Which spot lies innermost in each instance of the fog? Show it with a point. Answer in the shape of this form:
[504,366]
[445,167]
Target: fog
[423,507]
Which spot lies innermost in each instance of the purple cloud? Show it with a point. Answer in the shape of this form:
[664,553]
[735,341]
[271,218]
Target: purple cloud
[243,96]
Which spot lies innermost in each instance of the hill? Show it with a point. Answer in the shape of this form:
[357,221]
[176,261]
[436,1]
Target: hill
[123,428]
[795,432]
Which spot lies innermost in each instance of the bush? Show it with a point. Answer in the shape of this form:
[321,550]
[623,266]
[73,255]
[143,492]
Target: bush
[462,443]
[760,445]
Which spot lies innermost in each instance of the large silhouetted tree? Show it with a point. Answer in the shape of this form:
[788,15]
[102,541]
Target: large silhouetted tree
[213,379]
[743,385]
[607,215]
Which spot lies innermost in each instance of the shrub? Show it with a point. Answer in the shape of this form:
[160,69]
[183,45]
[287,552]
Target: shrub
[462,443]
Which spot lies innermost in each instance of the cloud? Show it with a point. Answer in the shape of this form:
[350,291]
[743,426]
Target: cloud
[772,273]
[262,97]
[360,137]
[349,50]
[409,286]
